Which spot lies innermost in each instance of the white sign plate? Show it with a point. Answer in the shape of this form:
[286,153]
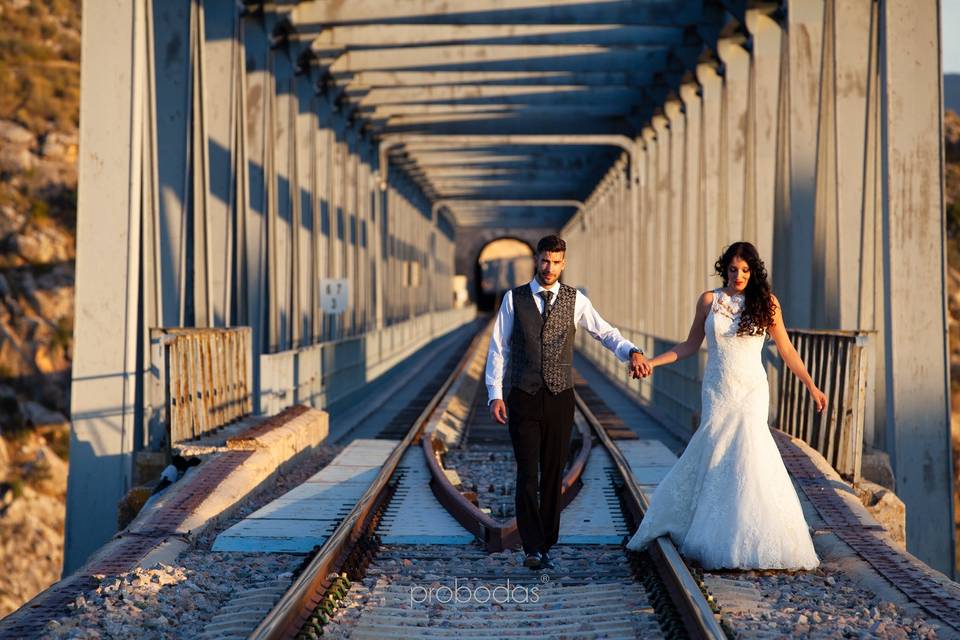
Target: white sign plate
[334,294]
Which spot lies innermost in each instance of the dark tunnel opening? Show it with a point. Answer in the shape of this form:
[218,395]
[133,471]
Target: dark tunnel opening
[501,265]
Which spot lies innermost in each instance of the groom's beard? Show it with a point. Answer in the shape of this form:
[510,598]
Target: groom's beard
[543,280]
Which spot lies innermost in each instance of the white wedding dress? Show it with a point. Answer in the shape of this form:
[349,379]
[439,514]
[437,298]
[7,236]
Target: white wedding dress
[728,501]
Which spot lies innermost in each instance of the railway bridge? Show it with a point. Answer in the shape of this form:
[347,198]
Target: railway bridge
[300,184]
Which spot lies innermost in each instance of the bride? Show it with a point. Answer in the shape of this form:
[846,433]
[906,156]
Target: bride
[728,501]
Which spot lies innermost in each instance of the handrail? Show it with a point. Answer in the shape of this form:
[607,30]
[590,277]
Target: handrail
[695,612]
[838,361]
[203,375]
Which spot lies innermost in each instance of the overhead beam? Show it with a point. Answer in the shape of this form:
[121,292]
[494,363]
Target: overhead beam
[319,13]
[536,220]
[387,35]
[392,141]
[501,124]
[468,204]
[504,122]
[509,94]
[501,58]
[520,172]
[465,159]
[366,80]
[506,163]
[512,192]
[585,109]
[442,184]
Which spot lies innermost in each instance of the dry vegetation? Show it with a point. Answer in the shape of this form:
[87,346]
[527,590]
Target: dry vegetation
[40,90]
[40,52]
[39,107]
[951,127]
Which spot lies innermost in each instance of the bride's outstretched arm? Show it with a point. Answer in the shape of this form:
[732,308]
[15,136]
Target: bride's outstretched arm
[694,339]
[792,359]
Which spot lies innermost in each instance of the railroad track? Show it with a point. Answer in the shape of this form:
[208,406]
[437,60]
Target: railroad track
[372,579]
[357,586]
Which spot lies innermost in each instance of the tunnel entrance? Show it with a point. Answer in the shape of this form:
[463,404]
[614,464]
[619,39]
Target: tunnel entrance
[503,264]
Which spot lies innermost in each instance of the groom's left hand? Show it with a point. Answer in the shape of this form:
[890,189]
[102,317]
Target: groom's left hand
[639,367]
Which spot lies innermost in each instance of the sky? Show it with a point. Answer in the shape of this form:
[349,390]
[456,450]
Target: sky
[950,23]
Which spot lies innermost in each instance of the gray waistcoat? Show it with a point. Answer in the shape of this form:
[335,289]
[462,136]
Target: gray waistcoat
[542,353]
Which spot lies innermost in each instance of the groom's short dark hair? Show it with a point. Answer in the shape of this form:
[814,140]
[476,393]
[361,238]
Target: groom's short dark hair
[552,244]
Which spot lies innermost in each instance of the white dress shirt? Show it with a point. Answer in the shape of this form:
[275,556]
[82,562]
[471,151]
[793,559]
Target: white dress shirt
[584,317]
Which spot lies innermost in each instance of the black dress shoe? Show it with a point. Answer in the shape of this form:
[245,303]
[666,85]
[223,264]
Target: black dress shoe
[532,560]
[546,562]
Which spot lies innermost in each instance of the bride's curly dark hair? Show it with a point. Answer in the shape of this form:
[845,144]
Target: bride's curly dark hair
[758,306]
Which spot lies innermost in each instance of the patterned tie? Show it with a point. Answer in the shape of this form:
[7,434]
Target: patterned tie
[546,295]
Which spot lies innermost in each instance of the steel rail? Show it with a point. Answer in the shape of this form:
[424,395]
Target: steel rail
[698,618]
[287,616]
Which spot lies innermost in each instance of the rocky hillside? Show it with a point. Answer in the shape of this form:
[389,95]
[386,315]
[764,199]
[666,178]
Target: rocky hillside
[39,105]
[952,178]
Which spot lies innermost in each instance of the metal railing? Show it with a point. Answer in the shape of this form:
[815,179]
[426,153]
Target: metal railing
[206,377]
[837,361]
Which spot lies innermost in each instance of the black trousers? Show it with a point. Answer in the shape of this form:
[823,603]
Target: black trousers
[540,427]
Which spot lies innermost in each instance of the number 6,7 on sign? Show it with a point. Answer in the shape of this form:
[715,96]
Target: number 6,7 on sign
[334,294]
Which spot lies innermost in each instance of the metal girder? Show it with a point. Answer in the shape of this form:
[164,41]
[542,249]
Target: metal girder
[506,163]
[520,172]
[458,142]
[504,223]
[367,80]
[386,35]
[500,123]
[510,94]
[501,203]
[320,13]
[499,69]
[465,159]
[468,205]
[584,110]
[391,141]
[513,192]
[519,152]
[444,187]
[535,218]
[501,58]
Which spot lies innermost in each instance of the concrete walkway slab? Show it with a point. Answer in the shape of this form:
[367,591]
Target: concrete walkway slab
[305,516]
[414,516]
[594,516]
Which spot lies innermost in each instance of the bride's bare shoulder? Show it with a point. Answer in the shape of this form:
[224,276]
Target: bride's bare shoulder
[706,298]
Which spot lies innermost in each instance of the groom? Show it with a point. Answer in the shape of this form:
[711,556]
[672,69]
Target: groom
[534,333]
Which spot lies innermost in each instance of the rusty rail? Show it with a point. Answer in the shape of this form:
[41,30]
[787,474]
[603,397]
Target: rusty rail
[206,377]
[838,363]
[496,534]
[294,608]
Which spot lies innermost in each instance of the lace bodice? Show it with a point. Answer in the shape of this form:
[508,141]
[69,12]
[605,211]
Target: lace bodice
[732,358]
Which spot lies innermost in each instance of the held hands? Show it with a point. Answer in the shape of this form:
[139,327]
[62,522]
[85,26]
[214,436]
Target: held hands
[498,410]
[819,398]
[639,366]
